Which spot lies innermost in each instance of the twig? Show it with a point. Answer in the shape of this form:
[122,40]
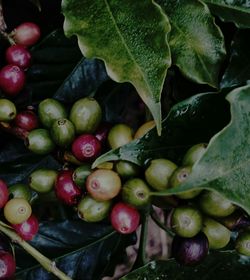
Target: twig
[49,265]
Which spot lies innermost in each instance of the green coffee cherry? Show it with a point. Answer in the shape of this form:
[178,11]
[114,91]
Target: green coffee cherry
[86,115]
[42,180]
[217,234]
[159,172]
[7,110]
[39,142]
[194,154]
[20,191]
[136,193]
[186,221]
[81,173]
[242,243]
[91,210]
[127,169]
[50,110]
[214,204]
[17,210]
[119,135]
[62,132]
[179,176]
[144,128]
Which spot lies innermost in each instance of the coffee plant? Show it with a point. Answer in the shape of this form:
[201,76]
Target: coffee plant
[124,125]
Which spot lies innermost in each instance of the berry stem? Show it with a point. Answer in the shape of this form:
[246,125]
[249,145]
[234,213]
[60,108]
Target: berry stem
[49,265]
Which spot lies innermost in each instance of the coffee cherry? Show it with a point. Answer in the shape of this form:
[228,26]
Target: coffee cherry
[86,115]
[81,173]
[102,131]
[91,210]
[194,154]
[4,193]
[39,142]
[42,180]
[159,172]
[62,132]
[179,176]
[136,193]
[119,135]
[143,129]
[218,235]
[17,210]
[190,251]
[7,265]
[242,243]
[27,34]
[28,229]
[103,184]
[86,147]
[124,218]
[65,188]
[7,110]
[127,169]
[26,120]
[12,79]
[50,110]
[214,204]
[18,55]
[20,191]
[186,221]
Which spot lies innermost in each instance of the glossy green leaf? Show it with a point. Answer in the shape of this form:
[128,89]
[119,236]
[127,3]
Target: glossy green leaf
[189,122]
[236,11]
[196,42]
[218,265]
[238,71]
[224,167]
[130,36]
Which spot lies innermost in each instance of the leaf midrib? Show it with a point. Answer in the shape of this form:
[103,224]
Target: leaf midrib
[126,46]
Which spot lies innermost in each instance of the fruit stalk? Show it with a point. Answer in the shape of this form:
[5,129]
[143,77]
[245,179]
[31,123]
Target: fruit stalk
[49,265]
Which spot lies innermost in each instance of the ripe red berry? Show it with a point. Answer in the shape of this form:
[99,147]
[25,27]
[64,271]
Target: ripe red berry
[86,147]
[28,229]
[4,193]
[7,265]
[102,132]
[26,120]
[124,218]
[27,34]
[65,188]
[18,55]
[12,79]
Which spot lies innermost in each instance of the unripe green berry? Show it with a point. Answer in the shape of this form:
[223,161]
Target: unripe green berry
[119,135]
[42,180]
[194,154]
[7,110]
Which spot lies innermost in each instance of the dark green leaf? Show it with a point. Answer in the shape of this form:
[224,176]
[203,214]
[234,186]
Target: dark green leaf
[238,71]
[196,42]
[224,167]
[130,36]
[82,250]
[217,265]
[237,11]
[84,80]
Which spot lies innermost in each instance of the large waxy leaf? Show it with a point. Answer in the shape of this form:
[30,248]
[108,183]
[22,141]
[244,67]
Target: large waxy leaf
[196,42]
[225,165]
[237,11]
[238,71]
[82,250]
[218,265]
[189,122]
[130,36]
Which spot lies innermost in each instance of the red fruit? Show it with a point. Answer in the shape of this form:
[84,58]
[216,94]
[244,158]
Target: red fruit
[12,79]
[27,34]
[124,218]
[7,265]
[102,132]
[18,55]
[28,229]
[4,193]
[26,120]
[86,147]
[66,190]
